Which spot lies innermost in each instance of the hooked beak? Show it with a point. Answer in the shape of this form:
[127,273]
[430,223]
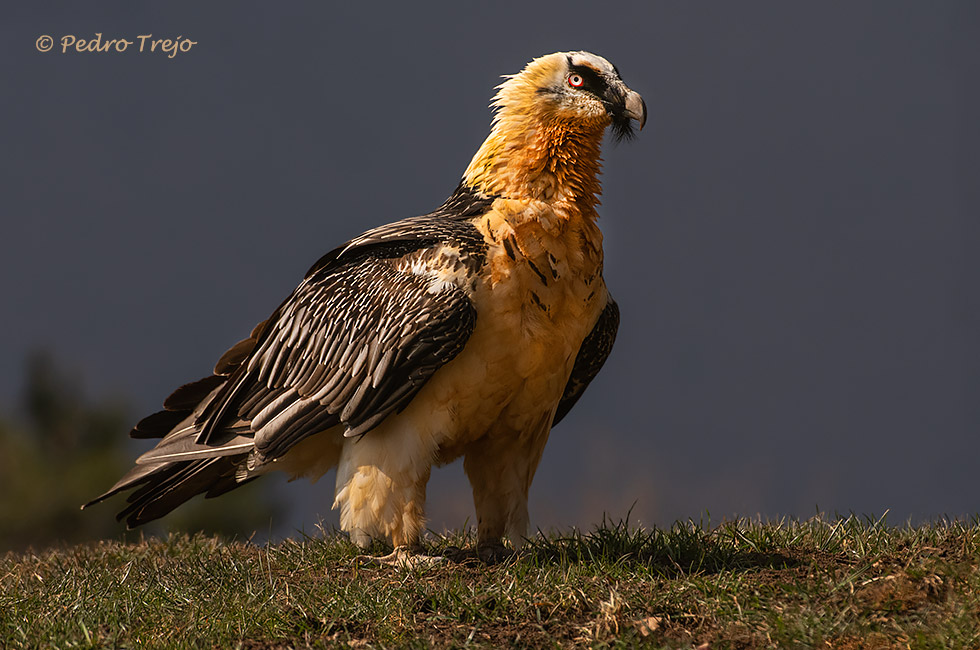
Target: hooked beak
[636,108]
[625,106]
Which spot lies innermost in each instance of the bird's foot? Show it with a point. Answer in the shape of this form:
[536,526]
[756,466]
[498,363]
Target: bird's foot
[403,557]
[494,553]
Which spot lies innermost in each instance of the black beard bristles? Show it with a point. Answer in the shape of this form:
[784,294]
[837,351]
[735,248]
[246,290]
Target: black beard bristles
[622,128]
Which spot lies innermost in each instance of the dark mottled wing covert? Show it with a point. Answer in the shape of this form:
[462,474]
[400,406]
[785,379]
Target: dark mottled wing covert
[591,356]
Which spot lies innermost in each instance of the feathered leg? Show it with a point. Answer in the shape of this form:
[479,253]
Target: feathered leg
[381,487]
[500,470]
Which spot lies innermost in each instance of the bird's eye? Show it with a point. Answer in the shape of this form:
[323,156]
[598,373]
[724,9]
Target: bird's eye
[576,81]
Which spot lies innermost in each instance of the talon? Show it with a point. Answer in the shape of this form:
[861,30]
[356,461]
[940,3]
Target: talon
[402,557]
[494,553]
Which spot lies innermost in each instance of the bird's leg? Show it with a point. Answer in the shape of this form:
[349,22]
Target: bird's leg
[381,491]
[500,470]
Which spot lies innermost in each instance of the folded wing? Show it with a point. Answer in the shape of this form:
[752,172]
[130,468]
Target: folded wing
[353,344]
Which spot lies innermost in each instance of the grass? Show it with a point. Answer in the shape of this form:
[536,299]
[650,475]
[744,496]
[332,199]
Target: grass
[845,583]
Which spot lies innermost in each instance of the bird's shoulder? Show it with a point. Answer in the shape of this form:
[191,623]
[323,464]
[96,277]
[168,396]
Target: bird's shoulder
[450,225]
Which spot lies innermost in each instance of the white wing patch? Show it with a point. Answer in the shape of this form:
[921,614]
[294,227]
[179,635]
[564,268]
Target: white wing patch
[443,269]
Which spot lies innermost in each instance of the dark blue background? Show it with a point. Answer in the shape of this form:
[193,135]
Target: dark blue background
[792,239]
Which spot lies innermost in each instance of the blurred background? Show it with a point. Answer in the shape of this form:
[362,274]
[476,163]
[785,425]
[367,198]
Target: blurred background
[792,241]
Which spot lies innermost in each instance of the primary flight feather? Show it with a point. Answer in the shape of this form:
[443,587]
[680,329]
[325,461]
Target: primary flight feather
[466,332]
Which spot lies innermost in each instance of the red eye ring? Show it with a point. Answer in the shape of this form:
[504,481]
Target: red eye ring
[576,81]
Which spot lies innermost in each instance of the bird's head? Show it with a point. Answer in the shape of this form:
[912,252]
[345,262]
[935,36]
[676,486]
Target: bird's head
[578,89]
[548,125]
